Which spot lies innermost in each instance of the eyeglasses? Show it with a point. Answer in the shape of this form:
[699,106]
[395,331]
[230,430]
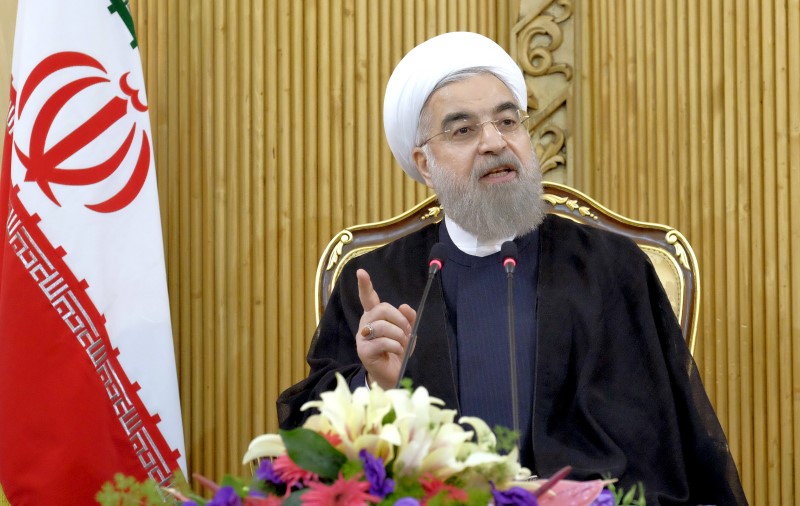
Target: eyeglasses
[465,132]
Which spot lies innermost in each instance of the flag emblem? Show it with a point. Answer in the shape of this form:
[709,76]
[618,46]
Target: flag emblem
[44,164]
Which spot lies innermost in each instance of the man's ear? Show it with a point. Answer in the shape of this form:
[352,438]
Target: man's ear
[421,161]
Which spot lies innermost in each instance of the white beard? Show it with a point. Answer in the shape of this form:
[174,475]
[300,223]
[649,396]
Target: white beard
[492,212]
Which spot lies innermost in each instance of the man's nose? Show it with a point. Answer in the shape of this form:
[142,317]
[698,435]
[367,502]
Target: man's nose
[491,140]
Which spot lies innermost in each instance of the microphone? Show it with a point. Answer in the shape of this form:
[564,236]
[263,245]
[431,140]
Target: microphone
[508,251]
[435,263]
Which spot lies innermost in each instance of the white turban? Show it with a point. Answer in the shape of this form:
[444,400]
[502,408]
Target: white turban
[420,71]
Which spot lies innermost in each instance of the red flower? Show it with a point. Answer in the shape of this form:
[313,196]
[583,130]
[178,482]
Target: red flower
[433,486]
[333,438]
[339,493]
[292,474]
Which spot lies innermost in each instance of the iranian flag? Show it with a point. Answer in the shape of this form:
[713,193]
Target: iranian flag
[88,386]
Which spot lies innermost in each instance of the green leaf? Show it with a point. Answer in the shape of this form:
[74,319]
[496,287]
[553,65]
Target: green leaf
[237,484]
[352,468]
[440,499]
[633,497]
[641,501]
[507,439]
[478,496]
[407,384]
[295,499]
[627,498]
[313,452]
[390,417]
[406,486]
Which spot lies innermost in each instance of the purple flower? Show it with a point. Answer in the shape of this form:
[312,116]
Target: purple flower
[515,496]
[225,496]
[606,498]
[379,484]
[406,501]
[266,473]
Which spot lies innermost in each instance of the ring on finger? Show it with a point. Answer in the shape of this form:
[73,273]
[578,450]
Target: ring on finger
[368,331]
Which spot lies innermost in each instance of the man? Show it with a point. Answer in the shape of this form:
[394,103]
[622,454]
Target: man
[602,366]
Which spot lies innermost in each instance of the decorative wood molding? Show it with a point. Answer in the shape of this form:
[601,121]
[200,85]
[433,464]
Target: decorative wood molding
[571,204]
[542,42]
[433,212]
[345,237]
[680,251]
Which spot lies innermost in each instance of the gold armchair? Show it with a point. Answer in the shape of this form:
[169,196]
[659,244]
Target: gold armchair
[668,250]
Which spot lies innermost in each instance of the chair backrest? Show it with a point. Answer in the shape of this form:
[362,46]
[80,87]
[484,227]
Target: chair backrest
[669,251]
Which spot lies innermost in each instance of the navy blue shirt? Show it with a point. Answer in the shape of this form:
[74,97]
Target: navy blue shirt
[476,298]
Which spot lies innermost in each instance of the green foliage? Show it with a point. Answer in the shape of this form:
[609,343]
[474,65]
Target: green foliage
[237,484]
[352,468]
[633,497]
[441,499]
[127,491]
[390,417]
[403,487]
[407,384]
[479,496]
[507,439]
[475,497]
[313,452]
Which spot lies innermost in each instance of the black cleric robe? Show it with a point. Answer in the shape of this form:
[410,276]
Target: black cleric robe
[616,391]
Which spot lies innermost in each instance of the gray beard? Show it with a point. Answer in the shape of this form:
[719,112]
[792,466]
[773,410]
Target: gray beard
[492,212]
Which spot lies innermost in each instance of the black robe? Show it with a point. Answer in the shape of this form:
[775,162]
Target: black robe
[616,391]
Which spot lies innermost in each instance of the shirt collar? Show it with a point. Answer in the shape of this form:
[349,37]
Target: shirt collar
[471,244]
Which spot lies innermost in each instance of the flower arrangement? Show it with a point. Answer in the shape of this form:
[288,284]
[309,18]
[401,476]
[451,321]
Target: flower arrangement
[392,447]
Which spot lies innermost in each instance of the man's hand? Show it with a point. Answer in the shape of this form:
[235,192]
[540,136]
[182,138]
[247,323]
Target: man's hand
[383,335]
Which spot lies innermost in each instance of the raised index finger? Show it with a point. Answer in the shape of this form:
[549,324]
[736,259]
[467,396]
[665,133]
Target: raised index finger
[366,293]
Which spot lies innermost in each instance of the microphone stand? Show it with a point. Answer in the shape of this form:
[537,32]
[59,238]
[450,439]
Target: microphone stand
[434,266]
[509,251]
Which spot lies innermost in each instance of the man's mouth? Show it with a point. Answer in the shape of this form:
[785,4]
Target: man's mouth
[499,174]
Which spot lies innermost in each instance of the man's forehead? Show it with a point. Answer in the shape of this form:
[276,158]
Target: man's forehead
[481,94]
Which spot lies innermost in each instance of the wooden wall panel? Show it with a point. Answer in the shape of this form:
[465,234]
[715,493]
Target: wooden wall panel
[690,116]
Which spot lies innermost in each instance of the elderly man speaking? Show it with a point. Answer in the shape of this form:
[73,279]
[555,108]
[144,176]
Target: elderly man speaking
[601,378]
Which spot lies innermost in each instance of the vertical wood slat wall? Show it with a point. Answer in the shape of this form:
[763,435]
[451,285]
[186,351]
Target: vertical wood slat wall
[267,118]
[690,115]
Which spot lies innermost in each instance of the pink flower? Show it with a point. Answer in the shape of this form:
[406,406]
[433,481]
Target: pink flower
[292,474]
[339,493]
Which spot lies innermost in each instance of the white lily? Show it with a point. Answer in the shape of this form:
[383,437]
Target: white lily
[264,446]
[486,440]
[411,430]
[356,417]
[430,442]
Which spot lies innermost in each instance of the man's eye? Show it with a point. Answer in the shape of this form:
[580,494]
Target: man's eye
[462,131]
